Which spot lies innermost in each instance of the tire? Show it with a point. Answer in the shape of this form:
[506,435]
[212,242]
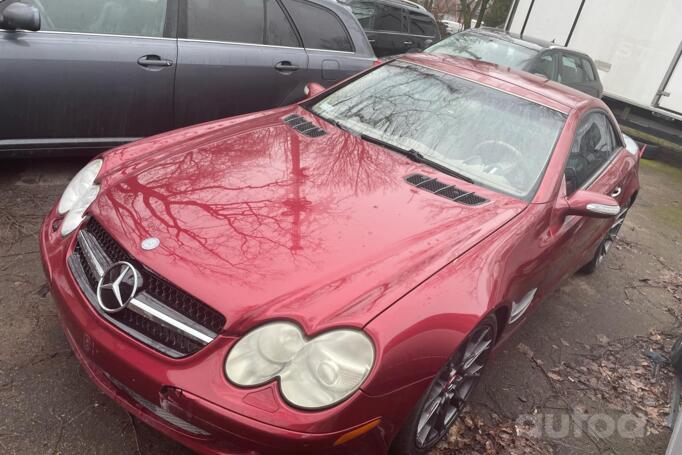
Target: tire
[606,244]
[449,390]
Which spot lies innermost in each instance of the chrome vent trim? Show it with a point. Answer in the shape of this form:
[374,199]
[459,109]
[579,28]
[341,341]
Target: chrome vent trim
[304,126]
[520,308]
[451,192]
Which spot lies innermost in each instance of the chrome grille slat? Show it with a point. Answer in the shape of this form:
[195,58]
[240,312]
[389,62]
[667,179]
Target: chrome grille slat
[171,319]
[93,254]
[164,320]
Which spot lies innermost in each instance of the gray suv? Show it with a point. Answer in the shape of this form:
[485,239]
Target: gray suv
[99,73]
[395,26]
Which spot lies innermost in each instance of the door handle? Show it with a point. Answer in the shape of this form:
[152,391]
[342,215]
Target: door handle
[616,192]
[408,42]
[154,60]
[285,66]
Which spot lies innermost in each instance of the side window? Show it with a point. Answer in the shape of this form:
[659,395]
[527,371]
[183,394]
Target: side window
[544,66]
[240,21]
[320,28]
[421,24]
[589,71]
[364,12]
[278,29]
[121,17]
[389,19]
[572,70]
[594,145]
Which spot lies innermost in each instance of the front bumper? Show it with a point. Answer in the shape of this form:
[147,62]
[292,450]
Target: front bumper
[189,399]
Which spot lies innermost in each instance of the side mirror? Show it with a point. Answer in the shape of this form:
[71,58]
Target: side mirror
[312,89]
[595,205]
[20,16]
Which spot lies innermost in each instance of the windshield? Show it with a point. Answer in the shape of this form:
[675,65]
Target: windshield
[486,48]
[496,139]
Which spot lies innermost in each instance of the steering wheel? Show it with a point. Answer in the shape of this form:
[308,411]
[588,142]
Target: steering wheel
[512,167]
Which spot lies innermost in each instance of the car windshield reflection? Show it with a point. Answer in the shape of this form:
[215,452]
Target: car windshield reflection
[496,139]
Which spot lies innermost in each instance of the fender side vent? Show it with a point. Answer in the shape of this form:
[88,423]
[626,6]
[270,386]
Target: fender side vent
[441,189]
[303,126]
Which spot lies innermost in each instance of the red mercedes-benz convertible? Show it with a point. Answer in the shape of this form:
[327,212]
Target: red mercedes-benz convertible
[331,277]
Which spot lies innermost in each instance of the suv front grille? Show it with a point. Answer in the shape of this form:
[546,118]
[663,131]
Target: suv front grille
[161,315]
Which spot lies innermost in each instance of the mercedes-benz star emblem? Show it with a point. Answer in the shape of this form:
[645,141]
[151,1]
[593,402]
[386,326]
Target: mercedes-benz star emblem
[117,287]
[150,243]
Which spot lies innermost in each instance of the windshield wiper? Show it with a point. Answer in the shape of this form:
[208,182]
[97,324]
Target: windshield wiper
[416,156]
[473,54]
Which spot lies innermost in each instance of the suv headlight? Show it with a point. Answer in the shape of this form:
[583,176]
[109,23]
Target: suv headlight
[78,195]
[313,373]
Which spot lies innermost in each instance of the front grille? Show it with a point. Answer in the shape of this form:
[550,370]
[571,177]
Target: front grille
[161,315]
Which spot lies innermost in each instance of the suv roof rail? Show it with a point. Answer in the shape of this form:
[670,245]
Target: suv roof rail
[411,3]
[404,2]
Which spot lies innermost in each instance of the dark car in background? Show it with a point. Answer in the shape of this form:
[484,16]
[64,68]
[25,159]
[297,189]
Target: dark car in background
[395,26]
[105,72]
[557,63]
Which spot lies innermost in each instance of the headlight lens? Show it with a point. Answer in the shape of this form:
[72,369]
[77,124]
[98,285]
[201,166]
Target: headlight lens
[75,215]
[79,185]
[312,373]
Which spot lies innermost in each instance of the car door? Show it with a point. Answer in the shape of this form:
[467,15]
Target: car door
[235,57]
[597,163]
[390,33]
[574,72]
[97,74]
[331,54]
[422,30]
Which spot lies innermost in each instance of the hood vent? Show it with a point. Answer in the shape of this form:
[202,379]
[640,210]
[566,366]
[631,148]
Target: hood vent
[303,126]
[451,192]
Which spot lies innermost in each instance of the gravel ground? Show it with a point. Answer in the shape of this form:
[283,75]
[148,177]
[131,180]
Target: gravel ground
[579,353]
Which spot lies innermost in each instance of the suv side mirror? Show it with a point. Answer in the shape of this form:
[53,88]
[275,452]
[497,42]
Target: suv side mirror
[595,205]
[20,16]
[312,89]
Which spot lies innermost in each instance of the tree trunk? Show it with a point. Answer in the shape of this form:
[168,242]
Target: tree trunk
[481,13]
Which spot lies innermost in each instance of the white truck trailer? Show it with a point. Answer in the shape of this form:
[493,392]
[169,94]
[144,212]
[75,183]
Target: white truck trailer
[636,45]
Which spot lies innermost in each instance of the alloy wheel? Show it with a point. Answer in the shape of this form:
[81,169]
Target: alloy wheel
[452,387]
[612,234]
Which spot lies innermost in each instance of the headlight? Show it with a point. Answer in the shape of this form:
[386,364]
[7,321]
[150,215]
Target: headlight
[75,215]
[79,185]
[312,373]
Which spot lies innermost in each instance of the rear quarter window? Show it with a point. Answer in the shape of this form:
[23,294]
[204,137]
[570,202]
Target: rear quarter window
[589,70]
[320,28]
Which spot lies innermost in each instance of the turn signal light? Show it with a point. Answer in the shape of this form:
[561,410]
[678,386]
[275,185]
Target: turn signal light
[344,438]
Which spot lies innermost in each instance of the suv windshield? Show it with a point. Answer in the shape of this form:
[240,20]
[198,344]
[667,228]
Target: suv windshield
[493,138]
[486,48]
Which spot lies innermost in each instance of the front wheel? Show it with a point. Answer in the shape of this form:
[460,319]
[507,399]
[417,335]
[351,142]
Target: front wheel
[606,244]
[445,398]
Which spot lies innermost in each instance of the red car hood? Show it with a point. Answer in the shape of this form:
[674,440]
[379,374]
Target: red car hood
[261,222]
